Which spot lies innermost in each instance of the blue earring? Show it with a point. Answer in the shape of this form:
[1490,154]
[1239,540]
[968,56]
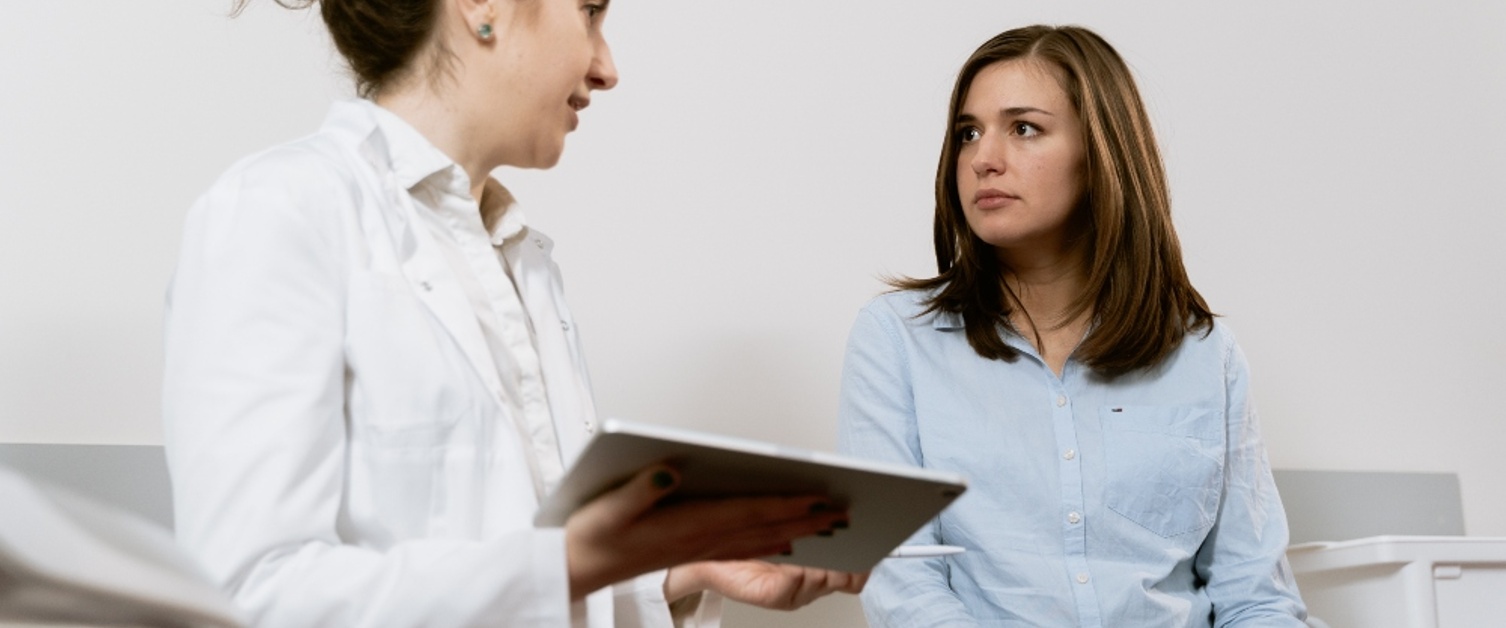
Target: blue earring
[484,31]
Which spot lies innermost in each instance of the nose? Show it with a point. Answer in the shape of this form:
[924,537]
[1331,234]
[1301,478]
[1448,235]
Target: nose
[603,72]
[987,157]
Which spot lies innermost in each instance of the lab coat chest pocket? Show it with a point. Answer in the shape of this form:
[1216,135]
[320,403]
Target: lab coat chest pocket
[406,381]
[1165,466]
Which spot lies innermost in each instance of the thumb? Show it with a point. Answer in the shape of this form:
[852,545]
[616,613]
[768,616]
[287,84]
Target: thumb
[639,493]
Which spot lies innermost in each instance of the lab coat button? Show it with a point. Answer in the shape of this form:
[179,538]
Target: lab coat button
[565,325]
[425,285]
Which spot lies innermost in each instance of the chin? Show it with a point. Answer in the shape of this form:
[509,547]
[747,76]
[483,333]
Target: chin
[544,160]
[550,155]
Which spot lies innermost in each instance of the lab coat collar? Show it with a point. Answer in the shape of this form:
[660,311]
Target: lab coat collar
[412,159]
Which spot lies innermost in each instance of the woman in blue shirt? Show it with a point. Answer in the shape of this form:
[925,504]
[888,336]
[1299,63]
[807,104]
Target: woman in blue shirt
[1062,360]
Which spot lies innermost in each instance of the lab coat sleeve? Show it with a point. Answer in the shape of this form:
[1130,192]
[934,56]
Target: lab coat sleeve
[877,420]
[254,391]
[1243,558]
[640,603]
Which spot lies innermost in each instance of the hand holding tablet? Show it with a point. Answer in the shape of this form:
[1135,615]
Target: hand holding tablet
[886,503]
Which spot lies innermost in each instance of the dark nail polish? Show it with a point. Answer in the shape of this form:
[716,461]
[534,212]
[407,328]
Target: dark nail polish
[662,479]
[824,533]
[788,551]
[820,507]
[840,525]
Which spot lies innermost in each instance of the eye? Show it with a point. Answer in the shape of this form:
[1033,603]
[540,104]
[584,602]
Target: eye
[968,134]
[594,11]
[1025,129]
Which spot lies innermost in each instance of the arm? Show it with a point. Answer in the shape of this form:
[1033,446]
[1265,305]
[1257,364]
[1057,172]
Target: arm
[877,420]
[255,425]
[1243,560]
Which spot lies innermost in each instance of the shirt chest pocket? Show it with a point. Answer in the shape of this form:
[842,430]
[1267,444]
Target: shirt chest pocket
[408,386]
[1165,466]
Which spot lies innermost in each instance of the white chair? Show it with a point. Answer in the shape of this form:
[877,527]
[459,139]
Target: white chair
[1387,550]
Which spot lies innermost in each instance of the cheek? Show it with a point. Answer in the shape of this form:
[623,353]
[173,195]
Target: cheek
[1065,176]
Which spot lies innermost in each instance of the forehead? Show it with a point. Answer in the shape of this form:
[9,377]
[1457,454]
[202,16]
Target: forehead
[1016,83]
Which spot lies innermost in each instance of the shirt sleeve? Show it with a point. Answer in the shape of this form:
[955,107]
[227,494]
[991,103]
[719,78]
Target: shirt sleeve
[876,420]
[1243,558]
[254,411]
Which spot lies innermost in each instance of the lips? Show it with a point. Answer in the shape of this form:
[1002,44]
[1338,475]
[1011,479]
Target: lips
[988,198]
[576,104]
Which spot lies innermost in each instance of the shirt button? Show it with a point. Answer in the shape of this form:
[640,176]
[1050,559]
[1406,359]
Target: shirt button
[1069,454]
[1061,401]
[1082,578]
[1073,517]
[538,242]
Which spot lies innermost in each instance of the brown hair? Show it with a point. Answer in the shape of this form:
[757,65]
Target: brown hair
[1137,288]
[380,39]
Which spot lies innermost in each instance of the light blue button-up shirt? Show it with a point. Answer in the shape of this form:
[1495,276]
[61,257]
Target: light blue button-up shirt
[1141,501]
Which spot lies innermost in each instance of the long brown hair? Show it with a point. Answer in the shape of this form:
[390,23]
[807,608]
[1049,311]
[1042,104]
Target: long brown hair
[1137,289]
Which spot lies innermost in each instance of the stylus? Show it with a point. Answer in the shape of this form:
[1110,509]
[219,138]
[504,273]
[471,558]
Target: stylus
[925,551]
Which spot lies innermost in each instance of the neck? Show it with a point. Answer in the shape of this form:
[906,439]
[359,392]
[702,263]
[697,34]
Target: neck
[1045,287]
[440,121]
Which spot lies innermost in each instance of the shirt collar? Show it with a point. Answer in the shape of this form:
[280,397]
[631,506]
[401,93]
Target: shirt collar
[415,160]
[410,155]
[952,321]
[500,213]
[946,320]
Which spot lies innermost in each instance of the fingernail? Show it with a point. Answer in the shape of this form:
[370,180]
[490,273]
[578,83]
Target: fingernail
[663,479]
[820,507]
[840,525]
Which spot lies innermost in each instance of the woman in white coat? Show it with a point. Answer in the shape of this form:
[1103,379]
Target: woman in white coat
[372,377]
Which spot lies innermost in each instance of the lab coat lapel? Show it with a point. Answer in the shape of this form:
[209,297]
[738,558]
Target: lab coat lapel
[412,248]
[437,288]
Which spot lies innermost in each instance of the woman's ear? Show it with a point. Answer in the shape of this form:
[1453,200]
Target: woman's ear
[479,17]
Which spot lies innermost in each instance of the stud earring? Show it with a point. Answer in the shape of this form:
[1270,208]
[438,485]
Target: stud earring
[484,31]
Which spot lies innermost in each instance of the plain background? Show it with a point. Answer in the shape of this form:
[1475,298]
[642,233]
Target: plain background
[721,216]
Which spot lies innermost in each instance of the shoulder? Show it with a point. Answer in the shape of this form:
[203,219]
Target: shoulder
[909,307]
[309,180]
[1213,349]
[313,165]
[901,314]
[296,196]
[1217,336]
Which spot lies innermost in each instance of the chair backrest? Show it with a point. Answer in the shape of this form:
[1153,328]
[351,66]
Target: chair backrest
[131,477]
[1342,505]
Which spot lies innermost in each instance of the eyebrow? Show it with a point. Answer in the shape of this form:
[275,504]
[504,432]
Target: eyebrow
[1007,112]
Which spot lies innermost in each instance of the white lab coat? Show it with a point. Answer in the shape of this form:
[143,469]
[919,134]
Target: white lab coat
[340,448]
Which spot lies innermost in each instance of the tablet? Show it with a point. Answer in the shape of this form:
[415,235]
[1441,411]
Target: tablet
[886,503]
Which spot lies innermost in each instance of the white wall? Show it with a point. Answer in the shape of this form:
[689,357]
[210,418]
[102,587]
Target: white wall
[723,213]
